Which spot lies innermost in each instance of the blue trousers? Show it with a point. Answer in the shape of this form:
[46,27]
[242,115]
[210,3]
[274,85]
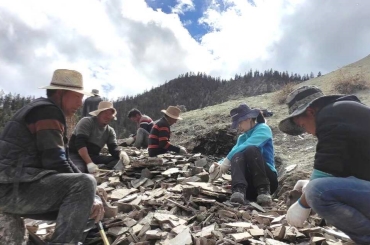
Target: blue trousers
[344,203]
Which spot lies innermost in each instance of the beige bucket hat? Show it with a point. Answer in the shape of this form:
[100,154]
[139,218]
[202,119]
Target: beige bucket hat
[67,80]
[103,106]
[173,112]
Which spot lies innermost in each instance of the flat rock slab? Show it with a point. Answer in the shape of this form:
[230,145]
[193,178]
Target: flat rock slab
[239,237]
[209,187]
[128,198]
[184,238]
[207,231]
[256,232]
[270,241]
[169,218]
[170,171]
[118,230]
[138,182]
[239,224]
[121,193]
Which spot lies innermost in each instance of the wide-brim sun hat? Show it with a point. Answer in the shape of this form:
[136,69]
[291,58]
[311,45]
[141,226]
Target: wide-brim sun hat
[298,101]
[103,106]
[241,113]
[172,112]
[67,80]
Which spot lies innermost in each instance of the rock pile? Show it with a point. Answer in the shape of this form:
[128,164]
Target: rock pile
[166,200]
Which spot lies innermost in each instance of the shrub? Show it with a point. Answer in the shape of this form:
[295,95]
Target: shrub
[283,93]
[350,85]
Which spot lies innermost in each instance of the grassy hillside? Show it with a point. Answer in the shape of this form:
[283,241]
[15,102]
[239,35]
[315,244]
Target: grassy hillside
[211,124]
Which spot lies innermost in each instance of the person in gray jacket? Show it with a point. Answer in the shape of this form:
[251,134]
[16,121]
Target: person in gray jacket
[90,136]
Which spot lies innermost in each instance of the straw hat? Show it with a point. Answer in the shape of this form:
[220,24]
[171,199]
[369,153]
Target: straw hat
[173,112]
[103,106]
[67,80]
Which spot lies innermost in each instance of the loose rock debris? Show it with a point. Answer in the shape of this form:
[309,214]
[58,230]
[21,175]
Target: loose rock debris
[166,200]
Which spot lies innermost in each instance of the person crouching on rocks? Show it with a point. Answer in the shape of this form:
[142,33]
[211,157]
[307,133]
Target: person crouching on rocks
[253,173]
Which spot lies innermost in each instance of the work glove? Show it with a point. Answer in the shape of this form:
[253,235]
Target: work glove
[217,170]
[183,150]
[124,158]
[92,168]
[97,210]
[129,140]
[297,214]
[301,185]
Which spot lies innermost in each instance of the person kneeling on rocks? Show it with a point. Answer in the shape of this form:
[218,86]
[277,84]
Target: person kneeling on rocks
[339,188]
[144,126]
[159,138]
[253,173]
[90,136]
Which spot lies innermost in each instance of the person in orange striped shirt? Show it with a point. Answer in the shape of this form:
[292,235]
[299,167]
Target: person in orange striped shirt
[159,138]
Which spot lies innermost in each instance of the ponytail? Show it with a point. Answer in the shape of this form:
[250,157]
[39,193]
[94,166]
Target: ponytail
[260,118]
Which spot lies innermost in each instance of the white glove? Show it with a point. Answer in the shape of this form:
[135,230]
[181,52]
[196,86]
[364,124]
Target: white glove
[297,214]
[92,167]
[183,150]
[226,164]
[124,158]
[301,185]
[129,140]
[97,210]
[217,170]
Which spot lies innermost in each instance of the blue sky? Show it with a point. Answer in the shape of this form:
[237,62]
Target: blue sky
[189,18]
[124,47]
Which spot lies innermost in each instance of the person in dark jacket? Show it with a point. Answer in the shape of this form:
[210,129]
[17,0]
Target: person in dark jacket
[144,125]
[159,138]
[89,138]
[37,178]
[339,187]
[91,103]
[253,173]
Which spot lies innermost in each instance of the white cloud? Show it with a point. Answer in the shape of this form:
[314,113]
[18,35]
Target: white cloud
[125,44]
[125,47]
[241,33]
[183,6]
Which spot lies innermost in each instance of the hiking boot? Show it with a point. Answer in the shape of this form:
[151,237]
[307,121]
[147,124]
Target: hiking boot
[264,197]
[238,195]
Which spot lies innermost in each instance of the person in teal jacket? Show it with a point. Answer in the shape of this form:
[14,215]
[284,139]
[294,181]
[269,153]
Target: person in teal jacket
[253,173]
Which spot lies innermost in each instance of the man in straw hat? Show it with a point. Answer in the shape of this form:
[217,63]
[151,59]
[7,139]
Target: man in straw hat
[90,136]
[159,138]
[339,188]
[37,178]
[91,103]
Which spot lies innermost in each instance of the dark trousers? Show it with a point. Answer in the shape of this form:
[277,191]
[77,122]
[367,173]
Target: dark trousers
[249,169]
[66,197]
[108,161]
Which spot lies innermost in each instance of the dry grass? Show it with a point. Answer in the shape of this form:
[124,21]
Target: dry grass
[350,84]
[280,97]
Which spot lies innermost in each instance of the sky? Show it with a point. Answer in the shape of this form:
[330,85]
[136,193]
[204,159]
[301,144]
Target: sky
[125,47]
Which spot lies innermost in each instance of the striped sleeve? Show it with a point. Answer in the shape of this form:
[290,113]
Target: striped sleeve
[146,123]
[160,138]
[46,123]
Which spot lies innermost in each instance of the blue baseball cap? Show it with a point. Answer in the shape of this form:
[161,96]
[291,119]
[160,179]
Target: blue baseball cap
[241,113]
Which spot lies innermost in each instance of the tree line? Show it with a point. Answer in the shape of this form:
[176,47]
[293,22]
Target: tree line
[190,90]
